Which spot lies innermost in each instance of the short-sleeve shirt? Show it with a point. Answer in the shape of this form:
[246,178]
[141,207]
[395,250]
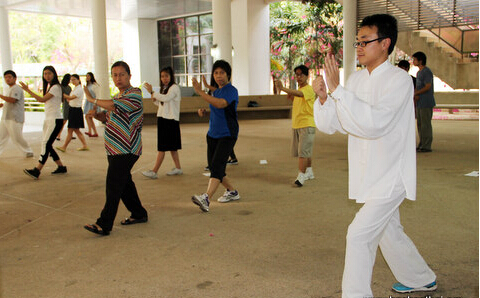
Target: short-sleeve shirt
[52,106]
[302,108]
[223,122]
[123,130]
[78,92]
[426,100]
[16,110]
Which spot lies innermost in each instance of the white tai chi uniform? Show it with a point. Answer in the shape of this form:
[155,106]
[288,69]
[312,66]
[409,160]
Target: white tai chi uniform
[376,111]
[11,124]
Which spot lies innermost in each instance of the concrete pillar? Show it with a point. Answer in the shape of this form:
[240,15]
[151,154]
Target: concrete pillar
[349,33]
[251,41]
[131,39]
[5,47]
[149,64]
[100,52]
[222,29]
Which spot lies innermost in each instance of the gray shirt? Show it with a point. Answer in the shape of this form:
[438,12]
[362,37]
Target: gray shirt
[14,111]
[426,100]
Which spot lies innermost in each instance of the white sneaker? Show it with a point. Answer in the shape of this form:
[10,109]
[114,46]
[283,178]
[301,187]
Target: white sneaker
[175,171]
[150,174]
[309,174]
[229,196]
[201,201]
[300,179]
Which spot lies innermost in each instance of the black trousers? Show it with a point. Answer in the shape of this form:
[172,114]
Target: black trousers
[120,186]
[218,151]
[49,146]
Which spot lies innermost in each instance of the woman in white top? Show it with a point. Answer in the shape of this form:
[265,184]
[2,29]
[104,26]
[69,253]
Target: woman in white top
[89,109]
[52,97]
[168,125]
[75,114]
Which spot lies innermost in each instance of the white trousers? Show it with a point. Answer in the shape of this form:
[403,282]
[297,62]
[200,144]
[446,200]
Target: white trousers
[378,223]
[13,129]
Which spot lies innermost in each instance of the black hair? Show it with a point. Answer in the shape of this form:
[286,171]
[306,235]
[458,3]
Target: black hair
[10,72]
[223,65]
[169,70]
[122,64]
[76,76]
[92,78]
[421,57]
[53,82]
[302,68]
[404,64]
[66,79]
[386,27]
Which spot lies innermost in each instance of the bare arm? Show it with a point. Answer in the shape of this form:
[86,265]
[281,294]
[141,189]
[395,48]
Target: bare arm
[104,103]
[8,98]
[34,95]
[292,92]
[424,89]
[219,103]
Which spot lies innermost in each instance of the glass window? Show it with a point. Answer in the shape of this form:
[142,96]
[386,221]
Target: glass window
[165,61]
[206,63]
[179,65]
[192,25]
[206,42]
[178,46]
[193,47]
[206,24]
[178,27]
[193,64]
[181,80]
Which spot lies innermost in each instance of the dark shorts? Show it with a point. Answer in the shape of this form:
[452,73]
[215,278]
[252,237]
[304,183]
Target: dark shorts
[168,135]
[218,151]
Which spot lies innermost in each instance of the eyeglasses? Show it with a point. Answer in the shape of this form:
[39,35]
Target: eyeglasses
[363,44]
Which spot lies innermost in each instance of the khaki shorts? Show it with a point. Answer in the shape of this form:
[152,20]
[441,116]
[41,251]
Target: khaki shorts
[302,142]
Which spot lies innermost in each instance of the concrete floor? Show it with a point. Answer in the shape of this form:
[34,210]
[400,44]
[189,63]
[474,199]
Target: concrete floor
[277,241]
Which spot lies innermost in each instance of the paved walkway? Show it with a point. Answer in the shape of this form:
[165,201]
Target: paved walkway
[277,241]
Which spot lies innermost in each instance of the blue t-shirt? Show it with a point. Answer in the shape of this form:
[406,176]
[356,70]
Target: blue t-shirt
[426,100]
[223,122]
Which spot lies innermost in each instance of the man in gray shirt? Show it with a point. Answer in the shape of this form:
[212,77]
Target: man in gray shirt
[425,102]
[13,116]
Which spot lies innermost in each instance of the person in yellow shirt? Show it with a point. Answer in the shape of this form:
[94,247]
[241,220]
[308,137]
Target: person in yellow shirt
[303,123]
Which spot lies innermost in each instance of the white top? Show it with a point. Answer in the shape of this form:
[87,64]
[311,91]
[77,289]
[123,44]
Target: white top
[376,110]
[171,103]
[52,106]
[78,92]
[14,111]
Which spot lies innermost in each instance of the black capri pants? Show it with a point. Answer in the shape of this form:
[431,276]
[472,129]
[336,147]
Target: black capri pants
[218,151]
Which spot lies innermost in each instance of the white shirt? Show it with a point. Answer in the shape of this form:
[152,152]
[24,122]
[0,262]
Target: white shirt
[52,106]
[78,92]
[171,103]
[376,110]
[14,111]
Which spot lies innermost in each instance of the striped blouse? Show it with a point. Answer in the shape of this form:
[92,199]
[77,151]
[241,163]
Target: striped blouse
[123,130]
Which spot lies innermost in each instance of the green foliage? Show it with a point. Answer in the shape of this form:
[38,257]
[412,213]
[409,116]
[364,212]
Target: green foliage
[304,34]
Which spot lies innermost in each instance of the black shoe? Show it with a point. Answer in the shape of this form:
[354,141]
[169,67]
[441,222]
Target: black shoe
[34,173]
[422,150]
[232,162]
[60,170]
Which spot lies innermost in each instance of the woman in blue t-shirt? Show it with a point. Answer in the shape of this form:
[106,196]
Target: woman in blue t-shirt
[222,133]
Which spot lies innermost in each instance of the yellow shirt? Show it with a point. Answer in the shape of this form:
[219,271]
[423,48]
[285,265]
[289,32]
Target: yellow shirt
[302,108]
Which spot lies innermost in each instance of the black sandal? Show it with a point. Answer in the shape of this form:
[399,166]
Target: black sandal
[93,228]
[132,221]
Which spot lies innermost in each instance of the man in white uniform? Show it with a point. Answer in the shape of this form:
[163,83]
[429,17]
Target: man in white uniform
[11,124]
[375,109]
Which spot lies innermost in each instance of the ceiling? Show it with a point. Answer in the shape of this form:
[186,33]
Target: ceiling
[115,9]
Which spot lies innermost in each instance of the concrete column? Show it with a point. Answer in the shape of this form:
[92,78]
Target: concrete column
[222,29]
[149,64]
[349,33]
[100,52]
[131,39]
[5,47]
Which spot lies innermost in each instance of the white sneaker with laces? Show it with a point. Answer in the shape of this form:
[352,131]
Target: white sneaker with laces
[175,171]
[201,201]
[150,174]
[309,174]
[229,195]
[300,179]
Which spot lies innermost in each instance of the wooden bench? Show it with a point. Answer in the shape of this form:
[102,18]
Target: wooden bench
[270,107]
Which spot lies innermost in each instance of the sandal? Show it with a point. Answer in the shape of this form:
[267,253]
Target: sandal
[94,229]
[132,221]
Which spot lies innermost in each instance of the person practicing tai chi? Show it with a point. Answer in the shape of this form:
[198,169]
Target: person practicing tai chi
[123,143]
[75,114]
[222,133]
[168,122]
[13,116]
[375,109]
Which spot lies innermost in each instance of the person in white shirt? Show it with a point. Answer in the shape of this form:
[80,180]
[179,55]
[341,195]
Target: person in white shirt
[52,97]
[168,122]
[75,114]
[375,109]
[13,116]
